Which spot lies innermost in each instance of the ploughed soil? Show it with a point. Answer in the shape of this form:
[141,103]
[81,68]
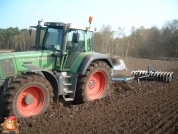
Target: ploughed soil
[148,107]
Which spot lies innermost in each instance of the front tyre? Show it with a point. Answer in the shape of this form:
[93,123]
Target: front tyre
[94,84]
[28,95]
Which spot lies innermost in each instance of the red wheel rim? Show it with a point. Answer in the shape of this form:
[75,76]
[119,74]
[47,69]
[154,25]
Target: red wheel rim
[35,105]
[96,85]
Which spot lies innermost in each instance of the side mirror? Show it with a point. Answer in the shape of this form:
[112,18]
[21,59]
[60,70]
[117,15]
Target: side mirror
[30,31]
[75,37]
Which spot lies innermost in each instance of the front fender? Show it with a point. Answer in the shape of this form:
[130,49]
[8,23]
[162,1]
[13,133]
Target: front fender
[49,76]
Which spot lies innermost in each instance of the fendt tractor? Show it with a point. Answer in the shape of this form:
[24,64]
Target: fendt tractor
[65,64]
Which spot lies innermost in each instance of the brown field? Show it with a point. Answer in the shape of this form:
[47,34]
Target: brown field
[148,107]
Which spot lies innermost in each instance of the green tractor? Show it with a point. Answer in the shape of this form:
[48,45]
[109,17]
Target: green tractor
[64,65]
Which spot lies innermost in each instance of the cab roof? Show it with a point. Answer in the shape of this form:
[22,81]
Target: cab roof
[69,26]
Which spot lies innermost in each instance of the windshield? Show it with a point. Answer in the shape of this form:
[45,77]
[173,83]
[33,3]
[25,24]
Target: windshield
[53,39]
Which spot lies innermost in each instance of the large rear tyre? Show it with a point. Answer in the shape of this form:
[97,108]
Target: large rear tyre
[27,95]
[94,84]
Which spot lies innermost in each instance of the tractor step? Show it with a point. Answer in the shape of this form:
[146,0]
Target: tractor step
[67,84]
[67,76]
[69,99]
[68,91]
[67,96]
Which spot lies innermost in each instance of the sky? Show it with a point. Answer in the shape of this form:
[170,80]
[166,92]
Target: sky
[116,13]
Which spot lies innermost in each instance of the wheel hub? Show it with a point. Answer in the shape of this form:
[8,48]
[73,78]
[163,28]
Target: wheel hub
[91,84]
[29,99]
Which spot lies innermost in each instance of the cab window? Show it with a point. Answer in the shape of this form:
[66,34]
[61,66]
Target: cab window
[76,47]
[53,39]
[90,41]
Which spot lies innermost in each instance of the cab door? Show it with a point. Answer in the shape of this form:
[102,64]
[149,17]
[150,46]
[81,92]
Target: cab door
[74,46]
[53,41]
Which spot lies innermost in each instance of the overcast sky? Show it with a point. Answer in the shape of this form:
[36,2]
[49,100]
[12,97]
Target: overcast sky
[124,13]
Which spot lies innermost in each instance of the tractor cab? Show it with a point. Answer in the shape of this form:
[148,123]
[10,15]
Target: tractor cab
[61,37]
[67,41]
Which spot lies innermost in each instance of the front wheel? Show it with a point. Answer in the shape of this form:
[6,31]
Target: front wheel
[94,84]
[27,95]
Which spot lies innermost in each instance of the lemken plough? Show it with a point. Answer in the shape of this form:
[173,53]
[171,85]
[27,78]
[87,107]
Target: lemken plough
[149,74]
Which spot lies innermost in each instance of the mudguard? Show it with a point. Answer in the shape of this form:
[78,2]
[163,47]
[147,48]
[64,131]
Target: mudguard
[49,76]
[93,57]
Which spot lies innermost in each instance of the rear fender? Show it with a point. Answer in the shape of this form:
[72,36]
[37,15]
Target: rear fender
[88,59]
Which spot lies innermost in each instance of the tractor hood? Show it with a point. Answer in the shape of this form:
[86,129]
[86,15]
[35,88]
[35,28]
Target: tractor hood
[6,56]
[15,60]
[25,54]
[28,54]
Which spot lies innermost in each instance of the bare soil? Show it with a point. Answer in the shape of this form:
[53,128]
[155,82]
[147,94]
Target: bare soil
[148,107]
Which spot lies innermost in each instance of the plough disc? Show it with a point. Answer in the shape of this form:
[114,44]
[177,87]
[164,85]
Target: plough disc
[153,75]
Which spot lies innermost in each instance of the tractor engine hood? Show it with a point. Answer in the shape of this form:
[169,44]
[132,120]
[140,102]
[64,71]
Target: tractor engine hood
[6,66]
[41,59]
[6,56]
[28,54]
[15,61]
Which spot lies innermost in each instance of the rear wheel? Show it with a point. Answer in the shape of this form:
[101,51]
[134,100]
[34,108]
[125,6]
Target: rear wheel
[27,95]
[94,84]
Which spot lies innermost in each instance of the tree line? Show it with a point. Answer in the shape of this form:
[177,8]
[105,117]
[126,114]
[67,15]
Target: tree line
[140,42]
[17,40]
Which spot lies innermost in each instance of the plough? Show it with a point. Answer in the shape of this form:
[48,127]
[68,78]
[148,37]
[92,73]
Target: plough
[149,74]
